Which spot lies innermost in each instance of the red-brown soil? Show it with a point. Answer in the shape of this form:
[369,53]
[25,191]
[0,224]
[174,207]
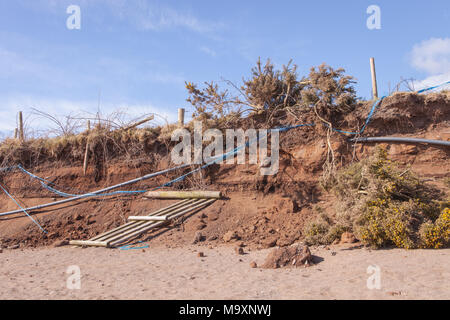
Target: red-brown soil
[261,211]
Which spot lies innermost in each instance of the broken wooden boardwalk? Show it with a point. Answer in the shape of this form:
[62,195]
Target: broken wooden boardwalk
[141,224]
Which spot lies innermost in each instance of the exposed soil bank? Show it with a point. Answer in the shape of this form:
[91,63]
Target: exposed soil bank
[262,211]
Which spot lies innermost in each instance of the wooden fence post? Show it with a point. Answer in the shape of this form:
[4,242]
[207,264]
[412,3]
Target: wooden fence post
[86,152]
[374,78]
[181,117]
[21,133]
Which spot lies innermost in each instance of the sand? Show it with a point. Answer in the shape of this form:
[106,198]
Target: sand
[178,273]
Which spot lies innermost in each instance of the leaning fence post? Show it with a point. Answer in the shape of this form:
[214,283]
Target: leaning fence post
[86,152]
[21,134]
[374,78]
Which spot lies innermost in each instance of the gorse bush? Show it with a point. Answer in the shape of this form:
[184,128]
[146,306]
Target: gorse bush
[330,90]
[269,94]
[383,206]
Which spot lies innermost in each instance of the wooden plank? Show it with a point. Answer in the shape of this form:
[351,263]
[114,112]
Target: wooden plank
[147,218]
[134,125]
[199,194]
[135,224]
[132,224]
[144,224]
[150,225]
[89,243]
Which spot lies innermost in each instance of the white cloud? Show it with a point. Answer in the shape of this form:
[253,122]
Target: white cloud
[433,57]
[432,81]
[154,18]
[142,14]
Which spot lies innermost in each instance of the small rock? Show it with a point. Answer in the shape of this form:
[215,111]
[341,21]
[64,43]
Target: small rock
[294,255]
[200,254]
[213,237]
[213,216]
[230,235]
[239,250]
[253,264]
[288,205]
[394,293]
[77,217]
[1,250]
[15,246]
[201,226]
[199,237]
[269,243]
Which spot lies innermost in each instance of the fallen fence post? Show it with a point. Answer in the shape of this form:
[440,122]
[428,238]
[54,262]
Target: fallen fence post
[183,194]
[89,243]
[134,125]
[148,218]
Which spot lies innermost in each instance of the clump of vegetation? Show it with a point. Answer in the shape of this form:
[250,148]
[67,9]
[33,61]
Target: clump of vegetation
[437,234]
[104,143]
[330,91]
[269,95]
[322,230]
[384,206]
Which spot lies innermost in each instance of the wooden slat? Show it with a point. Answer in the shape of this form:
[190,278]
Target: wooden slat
[89,243]
[132,224]
[147,218]
[199,194]
[149,226]
[145,224]
[136,224]
[141,224]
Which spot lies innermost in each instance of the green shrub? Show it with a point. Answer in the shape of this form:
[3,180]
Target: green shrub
[268,95]
[384,205]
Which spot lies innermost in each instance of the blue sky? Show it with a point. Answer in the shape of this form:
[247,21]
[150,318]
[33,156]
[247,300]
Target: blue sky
[135,54]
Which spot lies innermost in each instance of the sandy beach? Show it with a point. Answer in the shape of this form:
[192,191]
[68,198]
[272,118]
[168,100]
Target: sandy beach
[179,273]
